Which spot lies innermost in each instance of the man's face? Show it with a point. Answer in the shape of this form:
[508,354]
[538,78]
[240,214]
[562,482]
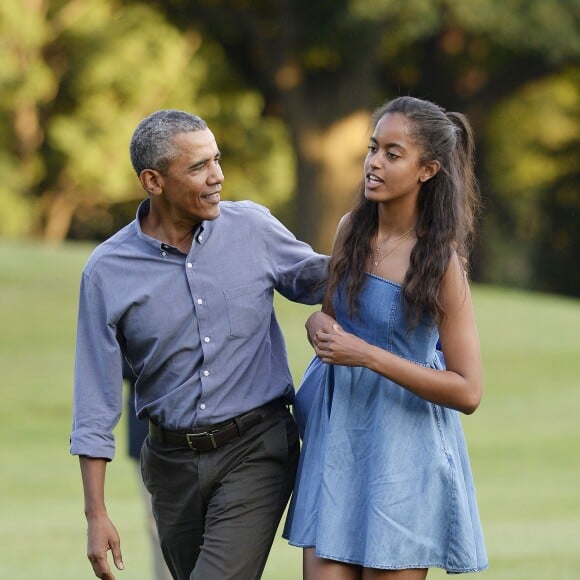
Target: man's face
[192,183]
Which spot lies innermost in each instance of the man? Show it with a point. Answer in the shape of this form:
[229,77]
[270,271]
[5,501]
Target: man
[184,294]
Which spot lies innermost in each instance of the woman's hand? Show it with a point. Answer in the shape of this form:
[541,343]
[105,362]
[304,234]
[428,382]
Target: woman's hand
[332,344]
[340,347]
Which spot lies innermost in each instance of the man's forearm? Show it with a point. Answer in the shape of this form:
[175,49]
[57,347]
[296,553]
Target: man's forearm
[93,476]
[102,535]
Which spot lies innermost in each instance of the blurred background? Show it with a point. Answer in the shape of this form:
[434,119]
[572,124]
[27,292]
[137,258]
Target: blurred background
[287,86]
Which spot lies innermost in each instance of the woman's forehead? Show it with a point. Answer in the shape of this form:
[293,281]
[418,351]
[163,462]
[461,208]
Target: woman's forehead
[393,128]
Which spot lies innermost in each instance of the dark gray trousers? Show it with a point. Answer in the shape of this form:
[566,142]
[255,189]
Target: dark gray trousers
[217,512]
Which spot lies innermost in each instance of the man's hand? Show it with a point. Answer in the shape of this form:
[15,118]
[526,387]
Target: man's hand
[102,537]
[318,322]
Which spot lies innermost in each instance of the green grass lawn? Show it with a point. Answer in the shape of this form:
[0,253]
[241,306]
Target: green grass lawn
[524,440]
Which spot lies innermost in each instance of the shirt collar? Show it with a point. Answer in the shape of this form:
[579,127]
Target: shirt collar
[142,211]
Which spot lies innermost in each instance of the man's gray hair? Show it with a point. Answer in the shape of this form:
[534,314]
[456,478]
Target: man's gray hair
[152,144]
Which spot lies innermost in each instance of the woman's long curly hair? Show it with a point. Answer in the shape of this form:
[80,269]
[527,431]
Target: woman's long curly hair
[447,205]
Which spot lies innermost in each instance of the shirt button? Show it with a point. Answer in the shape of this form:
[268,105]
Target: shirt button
[189,265]
[202,406]
[199,301]
[164,254]
[200,238]
[206,339]
[206,373]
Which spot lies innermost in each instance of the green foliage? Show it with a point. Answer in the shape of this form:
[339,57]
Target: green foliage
[257,160]
[15,209]
[407,21]
[534,171]
[25,80]
[509,21]
[92,70]
[526,25]
[285,87]
[123,66]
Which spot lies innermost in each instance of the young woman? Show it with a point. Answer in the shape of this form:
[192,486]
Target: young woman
[384,487]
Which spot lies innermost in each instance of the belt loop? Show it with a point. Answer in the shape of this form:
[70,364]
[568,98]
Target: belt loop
[239,425]
[213,441]
[156,431]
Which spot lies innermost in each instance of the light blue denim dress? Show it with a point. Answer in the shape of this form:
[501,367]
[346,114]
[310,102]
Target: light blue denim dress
[384,479]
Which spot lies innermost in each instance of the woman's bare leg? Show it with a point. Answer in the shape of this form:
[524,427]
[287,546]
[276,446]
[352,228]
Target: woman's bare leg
[411,574]
[315,568]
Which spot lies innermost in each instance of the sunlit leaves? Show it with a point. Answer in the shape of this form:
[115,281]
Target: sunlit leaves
[76,76]
[533,167]
[528,130]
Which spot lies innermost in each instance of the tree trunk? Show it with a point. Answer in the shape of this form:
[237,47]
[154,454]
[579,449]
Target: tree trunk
[329,168]
[59,209]
[329,125]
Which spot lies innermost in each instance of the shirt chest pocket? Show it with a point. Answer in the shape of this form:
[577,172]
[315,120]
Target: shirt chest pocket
[248,309]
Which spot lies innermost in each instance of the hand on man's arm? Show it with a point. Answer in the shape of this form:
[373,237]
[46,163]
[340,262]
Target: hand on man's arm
[319,322]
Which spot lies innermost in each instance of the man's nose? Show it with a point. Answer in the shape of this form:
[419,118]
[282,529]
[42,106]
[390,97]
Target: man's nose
[216,175]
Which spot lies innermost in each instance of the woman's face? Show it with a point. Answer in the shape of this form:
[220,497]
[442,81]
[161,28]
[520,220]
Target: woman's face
[392,168]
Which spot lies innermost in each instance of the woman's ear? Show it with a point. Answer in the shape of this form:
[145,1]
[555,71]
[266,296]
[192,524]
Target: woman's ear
[429,170]
[151,181]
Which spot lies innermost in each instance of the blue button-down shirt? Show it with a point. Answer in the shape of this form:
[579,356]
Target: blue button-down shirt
[198,330]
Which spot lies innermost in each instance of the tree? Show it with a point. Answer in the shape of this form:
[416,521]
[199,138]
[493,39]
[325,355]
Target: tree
[26,84]
[322,65]
[287,87]
[534,170]
[74,86]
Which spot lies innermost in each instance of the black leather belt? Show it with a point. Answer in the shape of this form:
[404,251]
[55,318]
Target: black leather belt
[213,436]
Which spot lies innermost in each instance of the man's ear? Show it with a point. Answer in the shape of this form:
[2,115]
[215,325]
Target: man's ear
[151,181]
[429,170]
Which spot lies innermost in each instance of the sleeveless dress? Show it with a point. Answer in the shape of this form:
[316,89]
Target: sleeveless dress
[384,479]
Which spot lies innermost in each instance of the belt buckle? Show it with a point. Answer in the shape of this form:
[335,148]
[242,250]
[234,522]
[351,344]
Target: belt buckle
[190,437]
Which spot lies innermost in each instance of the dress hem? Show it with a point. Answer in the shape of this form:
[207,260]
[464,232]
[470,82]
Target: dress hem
[447,569]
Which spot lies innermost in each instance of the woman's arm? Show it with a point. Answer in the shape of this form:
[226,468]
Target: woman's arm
[458,387]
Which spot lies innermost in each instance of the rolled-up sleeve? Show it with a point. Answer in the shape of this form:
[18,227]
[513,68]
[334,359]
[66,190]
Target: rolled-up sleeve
[98,378]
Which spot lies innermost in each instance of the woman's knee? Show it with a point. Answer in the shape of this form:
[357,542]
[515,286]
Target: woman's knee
[315,568]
